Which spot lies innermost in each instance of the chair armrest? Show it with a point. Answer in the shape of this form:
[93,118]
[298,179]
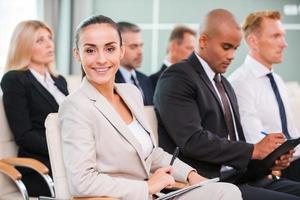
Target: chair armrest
[16,176]
[10,171]
[94,198]
[35,165]
[27,162]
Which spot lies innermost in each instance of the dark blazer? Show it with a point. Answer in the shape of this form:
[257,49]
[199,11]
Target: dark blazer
[154,77]
[190,116]
[27,104]
[144,82]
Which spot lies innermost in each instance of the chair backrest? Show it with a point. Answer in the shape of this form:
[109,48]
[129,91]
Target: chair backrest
[8,148]
[56,159]
[151,116]
[295,107]
[74,82]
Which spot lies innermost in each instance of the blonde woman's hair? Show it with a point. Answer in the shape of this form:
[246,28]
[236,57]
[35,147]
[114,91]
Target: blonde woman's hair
[21,43]
[254,20]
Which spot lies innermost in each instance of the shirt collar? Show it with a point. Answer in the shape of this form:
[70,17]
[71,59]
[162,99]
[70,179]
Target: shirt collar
[40,77]
[127,74]
[209,72]
[258,69]
[167,63]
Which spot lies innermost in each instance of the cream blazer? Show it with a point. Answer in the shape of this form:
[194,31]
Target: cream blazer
[101,155]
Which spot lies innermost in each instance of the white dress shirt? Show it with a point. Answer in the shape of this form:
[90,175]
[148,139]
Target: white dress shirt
[167,63]
[47,82]
[127,74]
[258,106]
[142,137]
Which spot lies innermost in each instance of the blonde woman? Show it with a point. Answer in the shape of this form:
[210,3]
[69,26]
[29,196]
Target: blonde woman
[31,90]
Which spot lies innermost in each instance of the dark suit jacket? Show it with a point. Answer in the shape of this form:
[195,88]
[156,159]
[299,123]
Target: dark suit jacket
[190,116]
[154,77]
[144,82]
[27,104]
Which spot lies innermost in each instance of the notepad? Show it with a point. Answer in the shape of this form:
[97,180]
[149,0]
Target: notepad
[187,189]
[281,150]
[257,169]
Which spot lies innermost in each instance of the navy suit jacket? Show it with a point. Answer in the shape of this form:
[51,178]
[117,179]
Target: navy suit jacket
[144,82]
[154,77]
[190,116]
[27,104]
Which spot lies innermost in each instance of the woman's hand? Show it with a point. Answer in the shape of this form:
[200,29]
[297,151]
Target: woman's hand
[194,178]
[161,179]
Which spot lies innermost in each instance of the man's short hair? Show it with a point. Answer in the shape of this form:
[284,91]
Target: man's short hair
[254,20]
[128,27]
[179,31]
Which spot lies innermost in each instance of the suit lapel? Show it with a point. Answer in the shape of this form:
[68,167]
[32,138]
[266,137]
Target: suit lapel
[198,68]
[107,110]
[43,91]
[195,63]
[60,85]
[119,78]
[140,117]
[163,67]
[139,114]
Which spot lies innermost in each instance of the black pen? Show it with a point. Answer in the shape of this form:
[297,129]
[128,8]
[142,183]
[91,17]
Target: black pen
[175,154]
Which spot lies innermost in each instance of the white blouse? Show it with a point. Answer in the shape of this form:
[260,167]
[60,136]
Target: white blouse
[142,137]
[47,82]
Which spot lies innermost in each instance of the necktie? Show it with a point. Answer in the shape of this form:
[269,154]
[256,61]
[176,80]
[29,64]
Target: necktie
[280,106]
[136,83]
[226,107]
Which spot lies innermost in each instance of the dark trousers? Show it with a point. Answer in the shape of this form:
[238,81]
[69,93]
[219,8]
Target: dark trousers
[293,171]
[34,183]
[263,189]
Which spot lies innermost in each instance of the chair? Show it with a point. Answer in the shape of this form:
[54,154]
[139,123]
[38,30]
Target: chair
[151,116]
[152,119]
[295,107]
[11,185]
[57,164]
[12,176]
[74,82]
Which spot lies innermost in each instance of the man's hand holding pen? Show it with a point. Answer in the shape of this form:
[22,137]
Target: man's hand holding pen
[271,142]
[268,144]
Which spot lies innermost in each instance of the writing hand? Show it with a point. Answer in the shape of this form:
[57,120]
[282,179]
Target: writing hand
[161,179]
[267,145]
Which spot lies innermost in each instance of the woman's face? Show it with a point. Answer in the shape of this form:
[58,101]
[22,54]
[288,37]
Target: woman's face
[43,48]
[99,52]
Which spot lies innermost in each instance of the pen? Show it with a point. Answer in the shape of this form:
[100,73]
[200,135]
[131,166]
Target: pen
[264,133]
[175,154]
